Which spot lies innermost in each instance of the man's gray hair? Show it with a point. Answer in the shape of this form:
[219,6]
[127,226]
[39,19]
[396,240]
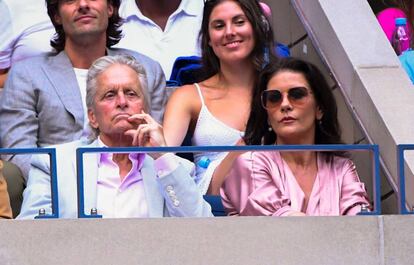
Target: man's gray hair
[100,66]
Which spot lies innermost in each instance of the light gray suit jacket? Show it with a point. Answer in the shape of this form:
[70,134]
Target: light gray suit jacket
[41,104]
[158,194]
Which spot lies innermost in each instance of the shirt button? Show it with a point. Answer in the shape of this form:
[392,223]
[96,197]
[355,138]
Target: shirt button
[176,203]
[169,188]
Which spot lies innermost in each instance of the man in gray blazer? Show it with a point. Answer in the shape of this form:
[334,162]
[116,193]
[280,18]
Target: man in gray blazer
[117,185]
[43,98]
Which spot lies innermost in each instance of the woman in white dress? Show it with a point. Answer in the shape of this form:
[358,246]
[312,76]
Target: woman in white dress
[236,41]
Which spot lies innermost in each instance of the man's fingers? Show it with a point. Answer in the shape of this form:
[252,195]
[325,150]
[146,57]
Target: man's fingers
[142,117]
[134,135]
[137,119]
[144,135]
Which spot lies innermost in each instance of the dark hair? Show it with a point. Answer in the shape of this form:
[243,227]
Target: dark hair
[327,133]
[113,32]
[263,34]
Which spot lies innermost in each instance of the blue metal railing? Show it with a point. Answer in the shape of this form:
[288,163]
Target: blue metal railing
[53,175]
[186,149]
[401,148]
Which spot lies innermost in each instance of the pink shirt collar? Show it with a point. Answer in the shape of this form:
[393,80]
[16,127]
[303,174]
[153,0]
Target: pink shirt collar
[137,159]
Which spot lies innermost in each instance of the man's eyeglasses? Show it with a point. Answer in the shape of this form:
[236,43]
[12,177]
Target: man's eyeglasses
[273,98]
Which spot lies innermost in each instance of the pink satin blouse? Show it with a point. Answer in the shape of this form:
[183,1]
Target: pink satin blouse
[261,183]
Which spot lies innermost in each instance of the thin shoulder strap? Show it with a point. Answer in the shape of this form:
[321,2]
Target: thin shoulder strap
[199,93]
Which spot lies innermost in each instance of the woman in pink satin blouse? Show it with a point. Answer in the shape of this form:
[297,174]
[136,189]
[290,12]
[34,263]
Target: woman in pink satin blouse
[293,105]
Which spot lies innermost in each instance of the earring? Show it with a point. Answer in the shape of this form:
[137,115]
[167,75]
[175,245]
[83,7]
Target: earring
[320,123]
[269,126]
[321,128]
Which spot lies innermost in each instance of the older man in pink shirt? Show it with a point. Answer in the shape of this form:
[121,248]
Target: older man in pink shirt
[119,184]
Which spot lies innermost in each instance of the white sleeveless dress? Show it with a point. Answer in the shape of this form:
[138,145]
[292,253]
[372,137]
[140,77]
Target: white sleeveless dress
[210,131]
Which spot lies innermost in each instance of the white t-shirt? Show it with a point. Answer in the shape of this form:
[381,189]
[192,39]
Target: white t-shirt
[180,37]
[81,75]
[25,30]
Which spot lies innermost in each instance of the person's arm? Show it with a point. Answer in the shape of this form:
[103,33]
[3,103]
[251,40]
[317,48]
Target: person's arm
[228,205]
[18,115]
[37,194]
[3,77]
[353,194]
[149,132]
[182,196]
[178,114]
[177,185]
[7,40]
[222,170]
[5,209]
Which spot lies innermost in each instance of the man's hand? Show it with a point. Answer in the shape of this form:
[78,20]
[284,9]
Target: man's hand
[148,134]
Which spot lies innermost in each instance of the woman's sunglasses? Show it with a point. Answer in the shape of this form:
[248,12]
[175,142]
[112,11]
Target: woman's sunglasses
[296,95]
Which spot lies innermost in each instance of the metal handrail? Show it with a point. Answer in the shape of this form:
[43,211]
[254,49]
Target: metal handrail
[53,176]
[401,148]
[374,149]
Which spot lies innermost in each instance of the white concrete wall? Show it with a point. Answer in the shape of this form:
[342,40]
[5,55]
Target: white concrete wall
[229,240]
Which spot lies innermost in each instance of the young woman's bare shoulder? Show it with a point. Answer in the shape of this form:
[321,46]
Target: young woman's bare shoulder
[185,92]
[186,95]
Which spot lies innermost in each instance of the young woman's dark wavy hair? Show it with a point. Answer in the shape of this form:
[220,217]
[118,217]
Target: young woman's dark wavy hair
[113,32]
[263,34]
[327,132]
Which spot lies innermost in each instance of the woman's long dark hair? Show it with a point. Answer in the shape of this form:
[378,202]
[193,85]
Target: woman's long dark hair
[328,132]
[263,34]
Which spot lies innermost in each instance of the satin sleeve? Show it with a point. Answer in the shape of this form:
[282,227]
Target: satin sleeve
[268,196]
[229,207]
[353,192]
[237,185]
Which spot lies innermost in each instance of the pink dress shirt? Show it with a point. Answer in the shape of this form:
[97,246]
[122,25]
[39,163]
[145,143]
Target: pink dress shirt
[261,183]
[126,198]
[115,197]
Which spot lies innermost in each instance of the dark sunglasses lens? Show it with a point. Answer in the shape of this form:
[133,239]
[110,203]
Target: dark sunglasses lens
[297,93]
[272,98]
